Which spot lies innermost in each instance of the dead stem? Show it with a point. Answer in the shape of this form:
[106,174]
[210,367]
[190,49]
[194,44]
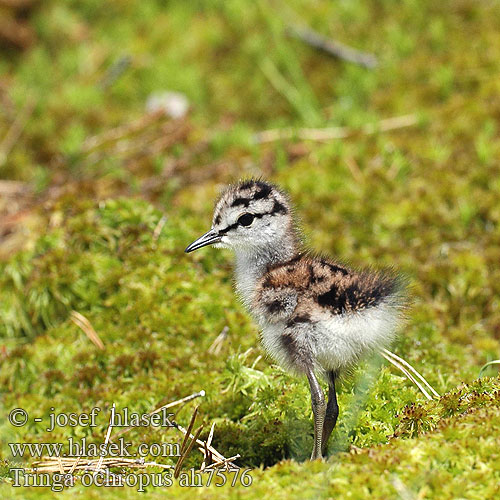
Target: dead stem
[332,133]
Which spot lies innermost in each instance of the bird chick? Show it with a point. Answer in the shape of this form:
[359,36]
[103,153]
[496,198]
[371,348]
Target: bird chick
[317,317]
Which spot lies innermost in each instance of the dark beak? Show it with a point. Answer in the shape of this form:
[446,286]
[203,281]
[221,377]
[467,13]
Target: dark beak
[207,239]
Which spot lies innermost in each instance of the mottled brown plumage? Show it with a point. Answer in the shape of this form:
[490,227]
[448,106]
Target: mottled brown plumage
[317,281]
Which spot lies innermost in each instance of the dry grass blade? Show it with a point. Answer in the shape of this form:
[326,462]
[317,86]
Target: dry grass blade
[137,143]
[407,373]
[355,170]
[216,346]
[106,440]
[81,321]
[168,405]
[50,464]
[122,131]
[159,227]
[333,133]
[187,451]
[414,371]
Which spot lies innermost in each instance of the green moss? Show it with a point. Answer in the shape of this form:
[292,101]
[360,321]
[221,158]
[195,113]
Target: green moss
[423,199]
[154,311]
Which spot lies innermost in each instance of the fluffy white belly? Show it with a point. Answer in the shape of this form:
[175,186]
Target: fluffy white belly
[345,339]
[332,342]
[272,340]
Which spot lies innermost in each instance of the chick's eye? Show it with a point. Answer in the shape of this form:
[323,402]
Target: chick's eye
[246,219]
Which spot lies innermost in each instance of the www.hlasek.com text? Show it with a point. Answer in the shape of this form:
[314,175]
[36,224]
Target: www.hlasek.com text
[82,448]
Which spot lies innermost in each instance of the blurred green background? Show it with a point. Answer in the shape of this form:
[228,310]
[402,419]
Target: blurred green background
[99,195]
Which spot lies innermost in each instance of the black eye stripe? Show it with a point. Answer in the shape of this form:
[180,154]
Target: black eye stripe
[228,228]
[278,208]
[236,224]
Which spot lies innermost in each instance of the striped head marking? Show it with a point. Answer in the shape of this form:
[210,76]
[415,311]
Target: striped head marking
[248,214]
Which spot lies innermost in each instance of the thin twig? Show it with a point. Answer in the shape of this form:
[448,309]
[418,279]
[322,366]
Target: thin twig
[190,426]
[74,466]
[332,133]
[202,443]
[332,47]
[187,451]
[210,435]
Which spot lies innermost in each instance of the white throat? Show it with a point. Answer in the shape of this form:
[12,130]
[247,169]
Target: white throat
[252,263]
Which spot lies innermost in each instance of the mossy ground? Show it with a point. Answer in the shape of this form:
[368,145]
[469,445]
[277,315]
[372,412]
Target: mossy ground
[423,199]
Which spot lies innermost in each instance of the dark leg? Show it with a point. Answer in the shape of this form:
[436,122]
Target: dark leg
[332,412]
[319,409]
